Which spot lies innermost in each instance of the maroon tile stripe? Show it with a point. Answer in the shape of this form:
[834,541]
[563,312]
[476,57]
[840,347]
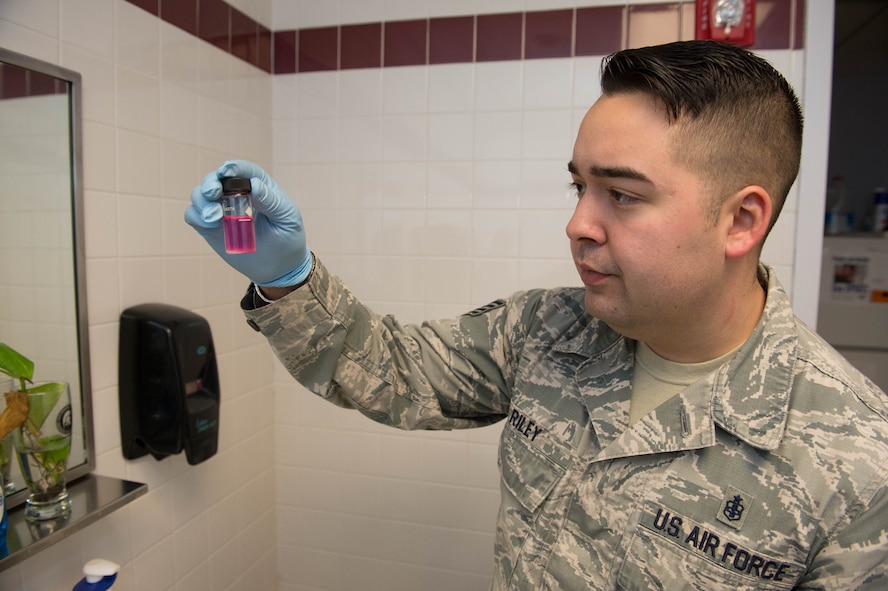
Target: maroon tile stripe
[594,30]
[219,24]
[452,40]
[317,49]
[16,82]
[549,34]
[500,37]
[360,46]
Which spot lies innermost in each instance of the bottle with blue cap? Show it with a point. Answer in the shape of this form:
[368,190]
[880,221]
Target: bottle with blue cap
[99,574]
[4,547]
[880,210]
[838,219]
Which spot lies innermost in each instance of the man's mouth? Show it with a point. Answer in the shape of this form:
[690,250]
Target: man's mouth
[591,276]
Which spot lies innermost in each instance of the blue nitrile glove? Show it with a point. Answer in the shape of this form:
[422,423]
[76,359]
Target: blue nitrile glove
[282,257]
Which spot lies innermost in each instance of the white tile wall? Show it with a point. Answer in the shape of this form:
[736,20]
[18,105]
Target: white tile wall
[431,190]
[160,109]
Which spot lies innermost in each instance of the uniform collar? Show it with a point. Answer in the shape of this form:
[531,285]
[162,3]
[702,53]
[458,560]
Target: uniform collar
[751,394]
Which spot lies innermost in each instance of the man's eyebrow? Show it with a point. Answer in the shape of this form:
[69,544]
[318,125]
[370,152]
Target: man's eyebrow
[611,172]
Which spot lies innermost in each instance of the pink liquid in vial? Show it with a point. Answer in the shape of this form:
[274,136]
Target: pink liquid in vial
[239,234]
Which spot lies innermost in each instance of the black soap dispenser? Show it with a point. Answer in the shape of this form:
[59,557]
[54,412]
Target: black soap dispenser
[168,383]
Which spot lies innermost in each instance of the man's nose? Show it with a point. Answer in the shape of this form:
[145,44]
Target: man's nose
[587,221]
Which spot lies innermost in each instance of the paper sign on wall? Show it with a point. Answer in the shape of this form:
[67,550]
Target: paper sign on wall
[859,278]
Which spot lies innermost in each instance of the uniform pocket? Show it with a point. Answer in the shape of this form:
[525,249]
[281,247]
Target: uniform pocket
[528,474]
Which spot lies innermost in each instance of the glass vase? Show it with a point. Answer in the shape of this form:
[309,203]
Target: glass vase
[7,451]
[6,459]
[43,444]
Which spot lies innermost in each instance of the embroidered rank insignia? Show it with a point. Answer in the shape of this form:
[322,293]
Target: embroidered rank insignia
[484,309]
[734,507]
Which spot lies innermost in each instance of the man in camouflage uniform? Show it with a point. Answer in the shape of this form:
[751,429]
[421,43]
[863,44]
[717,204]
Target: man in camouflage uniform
[669,425]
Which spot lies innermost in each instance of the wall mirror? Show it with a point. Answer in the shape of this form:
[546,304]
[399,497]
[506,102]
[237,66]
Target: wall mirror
[42,259]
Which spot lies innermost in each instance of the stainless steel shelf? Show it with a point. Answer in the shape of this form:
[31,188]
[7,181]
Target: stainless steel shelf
[92,497]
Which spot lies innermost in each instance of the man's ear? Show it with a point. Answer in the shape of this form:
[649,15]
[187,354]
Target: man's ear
[749,211]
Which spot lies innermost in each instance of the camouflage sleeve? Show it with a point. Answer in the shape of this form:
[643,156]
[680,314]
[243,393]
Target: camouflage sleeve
[856,557]
[439,375]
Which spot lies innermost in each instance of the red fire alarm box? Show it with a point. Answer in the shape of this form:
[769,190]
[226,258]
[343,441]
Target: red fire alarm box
[731,21]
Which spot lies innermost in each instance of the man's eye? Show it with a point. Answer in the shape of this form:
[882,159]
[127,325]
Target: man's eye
[576,190]
[622,197]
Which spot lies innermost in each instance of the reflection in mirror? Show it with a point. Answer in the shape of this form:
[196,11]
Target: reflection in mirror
[42,260]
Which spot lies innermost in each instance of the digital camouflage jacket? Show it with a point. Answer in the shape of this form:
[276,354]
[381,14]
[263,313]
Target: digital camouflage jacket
[769,473]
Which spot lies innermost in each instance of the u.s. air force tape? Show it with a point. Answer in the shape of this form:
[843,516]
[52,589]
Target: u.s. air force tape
[716,545]
[487,308]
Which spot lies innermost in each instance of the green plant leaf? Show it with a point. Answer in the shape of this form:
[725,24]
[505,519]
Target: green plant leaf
[41,406]
[14,364]
[57,449]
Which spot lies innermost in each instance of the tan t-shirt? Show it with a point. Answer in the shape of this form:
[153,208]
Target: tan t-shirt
[656,380]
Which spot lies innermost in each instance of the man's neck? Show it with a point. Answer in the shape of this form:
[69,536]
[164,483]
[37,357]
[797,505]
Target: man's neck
[741,310]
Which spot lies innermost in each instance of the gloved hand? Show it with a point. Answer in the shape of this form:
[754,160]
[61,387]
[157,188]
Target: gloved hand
[282,257]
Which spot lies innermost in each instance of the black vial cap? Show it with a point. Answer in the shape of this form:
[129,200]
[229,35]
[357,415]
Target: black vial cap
[236,184]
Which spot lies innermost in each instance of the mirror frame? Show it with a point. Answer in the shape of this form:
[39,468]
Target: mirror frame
[75,138]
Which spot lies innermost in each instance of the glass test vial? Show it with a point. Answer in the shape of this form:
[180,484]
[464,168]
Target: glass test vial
[237,216]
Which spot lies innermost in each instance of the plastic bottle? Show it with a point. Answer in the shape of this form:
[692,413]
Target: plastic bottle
[4,547]
[838,220]
[99,573]
[880,210]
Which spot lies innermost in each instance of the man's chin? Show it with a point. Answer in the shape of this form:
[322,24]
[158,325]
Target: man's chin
[597,307]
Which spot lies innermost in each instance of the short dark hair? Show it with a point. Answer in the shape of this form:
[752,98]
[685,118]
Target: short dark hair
[738,121]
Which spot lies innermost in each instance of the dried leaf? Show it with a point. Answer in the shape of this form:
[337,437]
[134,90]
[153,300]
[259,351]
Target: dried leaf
[15,413]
